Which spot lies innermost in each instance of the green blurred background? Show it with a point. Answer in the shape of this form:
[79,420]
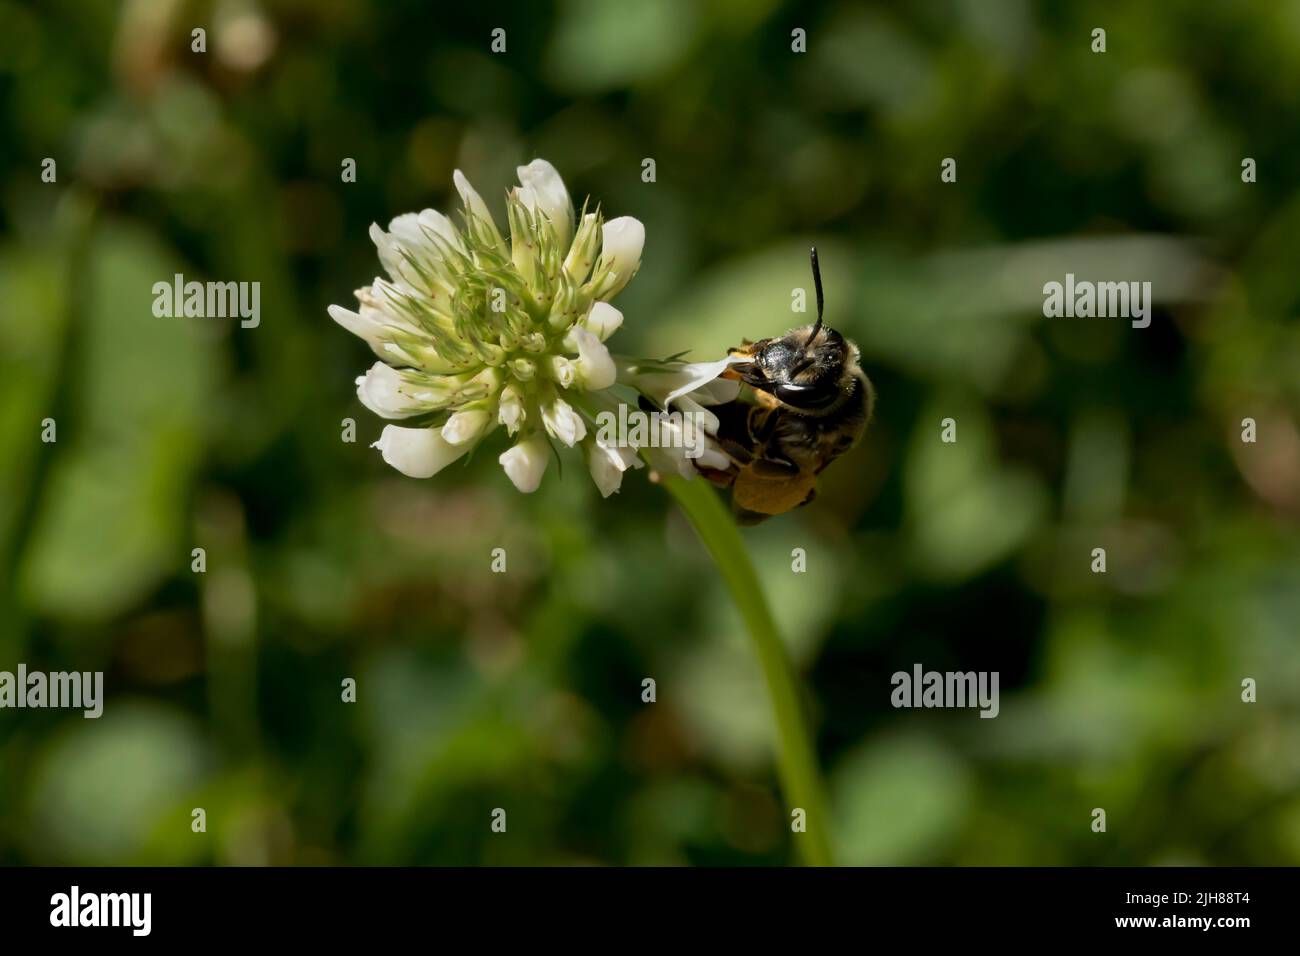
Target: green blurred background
[522,690]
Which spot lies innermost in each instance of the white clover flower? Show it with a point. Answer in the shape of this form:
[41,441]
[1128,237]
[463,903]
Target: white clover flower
[607,463]
[476,329]
[525,462]
[418,452]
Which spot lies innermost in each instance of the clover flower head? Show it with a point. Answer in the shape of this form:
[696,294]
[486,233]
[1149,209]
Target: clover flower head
[477,330]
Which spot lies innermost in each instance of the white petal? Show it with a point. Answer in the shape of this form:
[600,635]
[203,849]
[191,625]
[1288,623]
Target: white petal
[406,229]
[675,458]
[511,410]
[683,439]
[693,411]
[384,391]
[390,255]
[471,198]
[466,425]
[697,374]
[606,469]
[563,422]
[390,335]
[622,241]
[408,243]
[717,392]
[383,242]
[698,379]
[544,190]
[525,462]
[361,325]
[442,227]
[714,458]
[603,320]
[670,460]
[417,452]
[594,366]
[562,370]
[623,457]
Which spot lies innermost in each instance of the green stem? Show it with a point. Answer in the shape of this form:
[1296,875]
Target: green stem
[796,760]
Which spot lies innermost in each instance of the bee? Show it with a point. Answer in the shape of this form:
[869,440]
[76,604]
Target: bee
[812,402]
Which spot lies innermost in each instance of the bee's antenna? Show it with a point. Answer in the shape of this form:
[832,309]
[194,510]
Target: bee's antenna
[817,282]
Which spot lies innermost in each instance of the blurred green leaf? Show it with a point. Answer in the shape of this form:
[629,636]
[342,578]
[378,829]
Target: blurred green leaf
[102,783]
[964,509]
[114,520]
[599,46]
[898,801]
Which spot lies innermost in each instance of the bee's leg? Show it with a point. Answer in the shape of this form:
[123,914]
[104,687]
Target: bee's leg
[759,424]
[774,468]
[773,464]
[736,450]
[762,423]
[812,493]
[720,479]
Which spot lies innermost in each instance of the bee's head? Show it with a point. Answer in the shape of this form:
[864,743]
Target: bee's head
[805,368]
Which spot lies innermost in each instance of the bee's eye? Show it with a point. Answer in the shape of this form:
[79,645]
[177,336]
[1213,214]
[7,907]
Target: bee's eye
[810,397]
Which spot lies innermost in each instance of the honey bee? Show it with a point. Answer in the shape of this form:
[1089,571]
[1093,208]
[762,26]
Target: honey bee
[812,402]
